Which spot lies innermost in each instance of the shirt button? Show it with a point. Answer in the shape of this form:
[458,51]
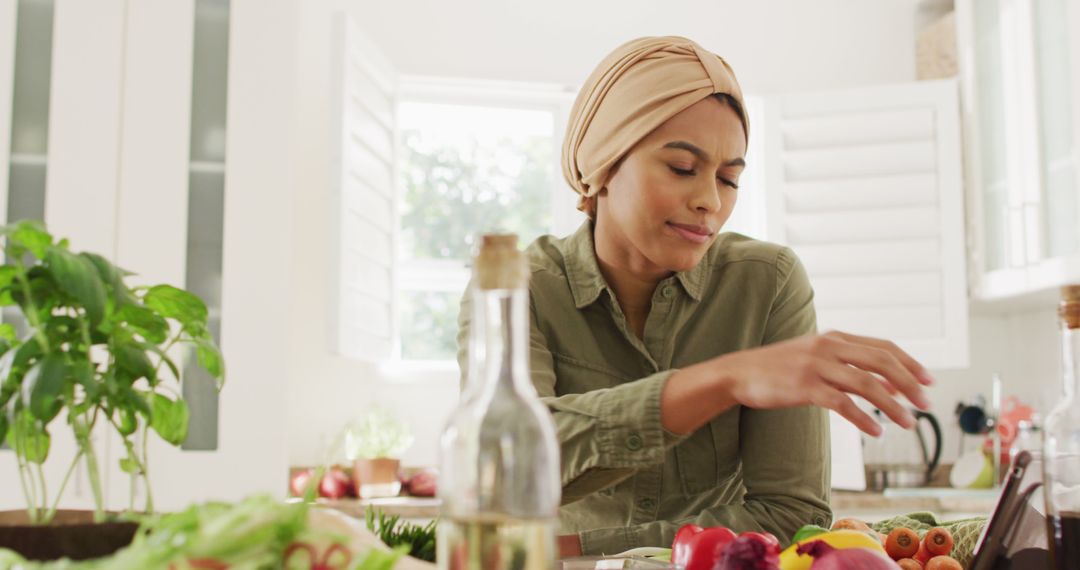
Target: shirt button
[634,442]
[646,504]
[667,292]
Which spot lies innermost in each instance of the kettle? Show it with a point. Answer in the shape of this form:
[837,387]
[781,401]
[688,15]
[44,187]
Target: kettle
[901,457]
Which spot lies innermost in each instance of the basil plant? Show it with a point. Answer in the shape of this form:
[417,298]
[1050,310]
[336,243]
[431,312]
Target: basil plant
[84,352]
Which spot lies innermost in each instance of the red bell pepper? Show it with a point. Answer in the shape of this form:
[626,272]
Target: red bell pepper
[696,548]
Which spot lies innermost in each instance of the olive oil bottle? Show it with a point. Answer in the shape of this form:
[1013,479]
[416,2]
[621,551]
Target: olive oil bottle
[499,476]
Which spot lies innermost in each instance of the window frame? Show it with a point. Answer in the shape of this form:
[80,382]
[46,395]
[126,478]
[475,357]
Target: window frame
[451,275]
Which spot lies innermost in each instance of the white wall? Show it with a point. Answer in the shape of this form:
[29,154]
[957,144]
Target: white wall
[774,46]
[813,45]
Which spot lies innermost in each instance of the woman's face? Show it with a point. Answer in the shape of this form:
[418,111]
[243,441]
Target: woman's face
[665,202]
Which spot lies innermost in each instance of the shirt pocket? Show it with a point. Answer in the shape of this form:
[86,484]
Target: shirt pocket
[709,455]
[577,376]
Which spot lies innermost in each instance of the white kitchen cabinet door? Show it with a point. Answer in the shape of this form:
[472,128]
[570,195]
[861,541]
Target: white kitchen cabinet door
[152,203]
[865,185]
[365,202]
[1020,80]
[9,16]
[246,453]
[80,172]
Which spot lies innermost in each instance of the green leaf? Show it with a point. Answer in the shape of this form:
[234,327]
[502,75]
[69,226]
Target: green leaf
[169,418]
[83,372]
[164,358]
[7,362]
[29,438]
[7,275]
[210,359]
[133,360]
[129,465]
[173,303]
[31,234]
[3,425]
[43,386]
[126,422]
[7,332]
[78,277]
[112,276]
[136,399]
[142,320]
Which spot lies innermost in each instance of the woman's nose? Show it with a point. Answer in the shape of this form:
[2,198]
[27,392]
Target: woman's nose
[706,198]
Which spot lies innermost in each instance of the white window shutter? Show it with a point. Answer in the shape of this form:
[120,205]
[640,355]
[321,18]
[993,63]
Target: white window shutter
[365,203]
[865,185]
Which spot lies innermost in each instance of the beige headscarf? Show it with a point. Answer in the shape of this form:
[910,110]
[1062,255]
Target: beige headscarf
[634,90]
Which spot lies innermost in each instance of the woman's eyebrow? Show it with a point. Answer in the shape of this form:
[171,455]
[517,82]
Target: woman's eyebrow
[700,154]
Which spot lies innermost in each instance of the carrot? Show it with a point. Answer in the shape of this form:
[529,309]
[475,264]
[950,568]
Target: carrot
[909,564]
[938,541]
[902,542]
[943,563]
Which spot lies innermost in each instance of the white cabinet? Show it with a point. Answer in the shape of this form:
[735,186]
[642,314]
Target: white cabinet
[865,185]
[1020,77]
[133,166]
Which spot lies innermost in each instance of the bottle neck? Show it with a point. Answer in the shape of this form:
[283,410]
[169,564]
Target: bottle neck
[1070,353]
[500,342]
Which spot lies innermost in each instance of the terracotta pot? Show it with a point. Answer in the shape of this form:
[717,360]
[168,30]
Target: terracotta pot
[72,534]
[376,477]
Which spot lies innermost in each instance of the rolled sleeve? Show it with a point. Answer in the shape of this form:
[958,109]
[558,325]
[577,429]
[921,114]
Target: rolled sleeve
[604,435]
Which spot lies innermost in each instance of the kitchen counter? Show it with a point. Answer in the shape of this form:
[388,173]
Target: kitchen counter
[946,503]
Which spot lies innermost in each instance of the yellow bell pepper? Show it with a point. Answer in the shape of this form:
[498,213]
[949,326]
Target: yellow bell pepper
[790,559]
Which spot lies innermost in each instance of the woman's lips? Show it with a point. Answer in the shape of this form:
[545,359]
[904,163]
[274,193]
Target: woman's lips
[694,233]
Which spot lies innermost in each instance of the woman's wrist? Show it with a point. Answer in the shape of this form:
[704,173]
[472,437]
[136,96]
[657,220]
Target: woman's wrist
[694,395]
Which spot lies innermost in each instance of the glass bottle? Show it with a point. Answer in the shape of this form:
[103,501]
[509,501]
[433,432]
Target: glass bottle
[500,485]
[1061,447]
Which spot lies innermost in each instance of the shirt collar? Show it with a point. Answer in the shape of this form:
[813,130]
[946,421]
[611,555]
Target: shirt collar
[586,281]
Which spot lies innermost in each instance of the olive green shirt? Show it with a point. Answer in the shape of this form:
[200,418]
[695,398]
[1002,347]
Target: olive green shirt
[628,482]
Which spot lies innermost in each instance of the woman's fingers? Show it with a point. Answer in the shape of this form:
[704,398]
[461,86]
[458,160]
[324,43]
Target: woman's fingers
[884,363]
[861,383]
[833,399]
[905,359]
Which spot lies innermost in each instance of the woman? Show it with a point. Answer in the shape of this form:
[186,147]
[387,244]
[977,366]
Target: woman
[681,365]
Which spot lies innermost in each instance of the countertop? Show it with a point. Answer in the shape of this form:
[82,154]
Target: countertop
[947,503]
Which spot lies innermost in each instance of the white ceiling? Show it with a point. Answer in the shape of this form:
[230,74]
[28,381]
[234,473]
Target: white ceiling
[774,45]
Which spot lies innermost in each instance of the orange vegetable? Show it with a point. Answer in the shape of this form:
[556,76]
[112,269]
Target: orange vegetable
[909,564]
[923,555]
[901,543]
[851,524]
[943,563]
[938,541]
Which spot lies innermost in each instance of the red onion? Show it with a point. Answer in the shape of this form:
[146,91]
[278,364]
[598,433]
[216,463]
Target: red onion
[750,551]
[828,558]
[336,484]
[422,484]
[299,483]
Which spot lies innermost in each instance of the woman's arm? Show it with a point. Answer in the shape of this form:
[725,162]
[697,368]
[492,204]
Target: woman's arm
[606,435]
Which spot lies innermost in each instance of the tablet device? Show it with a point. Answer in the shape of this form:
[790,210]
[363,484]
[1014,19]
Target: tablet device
[1015,535]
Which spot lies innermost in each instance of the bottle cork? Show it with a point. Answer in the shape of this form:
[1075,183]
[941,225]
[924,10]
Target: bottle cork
[1069,310]
[499,264]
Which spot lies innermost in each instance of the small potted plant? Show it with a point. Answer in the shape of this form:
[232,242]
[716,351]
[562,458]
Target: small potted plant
[89,353]
[374,444]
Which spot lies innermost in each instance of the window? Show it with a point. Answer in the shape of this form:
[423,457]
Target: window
[471,160]
[479,157]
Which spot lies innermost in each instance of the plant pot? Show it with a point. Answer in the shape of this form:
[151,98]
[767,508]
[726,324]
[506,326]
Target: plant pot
[376,477]
[72,534]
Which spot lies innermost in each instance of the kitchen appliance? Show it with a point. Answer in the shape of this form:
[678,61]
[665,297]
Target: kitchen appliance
[901,457]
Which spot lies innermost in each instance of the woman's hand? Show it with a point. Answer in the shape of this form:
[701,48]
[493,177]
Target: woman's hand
[824,370]
[821,370]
